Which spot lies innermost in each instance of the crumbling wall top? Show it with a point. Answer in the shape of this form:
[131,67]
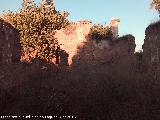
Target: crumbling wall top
[82,22]
[153,28]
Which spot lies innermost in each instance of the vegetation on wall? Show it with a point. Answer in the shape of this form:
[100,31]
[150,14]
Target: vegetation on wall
[37,25]
[99,32]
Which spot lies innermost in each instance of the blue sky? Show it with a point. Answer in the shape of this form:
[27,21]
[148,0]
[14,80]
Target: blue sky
[135,15]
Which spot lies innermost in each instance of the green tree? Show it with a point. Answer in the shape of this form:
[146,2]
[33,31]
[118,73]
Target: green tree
[37,25]
[156,4]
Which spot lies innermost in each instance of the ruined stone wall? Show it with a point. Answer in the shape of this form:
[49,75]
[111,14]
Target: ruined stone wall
[151,50]
[151,46]
[73,40]
[9,43]
[76,42]
[105,51]
[72,37]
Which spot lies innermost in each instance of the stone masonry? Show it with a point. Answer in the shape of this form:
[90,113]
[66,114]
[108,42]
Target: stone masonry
[9,43]
[151,49]
[76,35]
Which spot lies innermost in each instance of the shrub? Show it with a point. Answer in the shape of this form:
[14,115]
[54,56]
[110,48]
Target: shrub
[99,32]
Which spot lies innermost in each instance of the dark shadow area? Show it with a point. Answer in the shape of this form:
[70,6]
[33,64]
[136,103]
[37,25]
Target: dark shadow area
[38,90]
[113,84]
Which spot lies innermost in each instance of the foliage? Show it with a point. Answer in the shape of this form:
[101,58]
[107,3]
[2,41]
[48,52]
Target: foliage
[99,32]
[156,4]
[37,25]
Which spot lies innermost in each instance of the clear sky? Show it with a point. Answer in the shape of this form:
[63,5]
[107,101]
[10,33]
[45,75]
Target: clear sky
[135,15]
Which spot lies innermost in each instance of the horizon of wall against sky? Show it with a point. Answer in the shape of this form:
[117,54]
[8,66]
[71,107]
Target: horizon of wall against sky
[135,15]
